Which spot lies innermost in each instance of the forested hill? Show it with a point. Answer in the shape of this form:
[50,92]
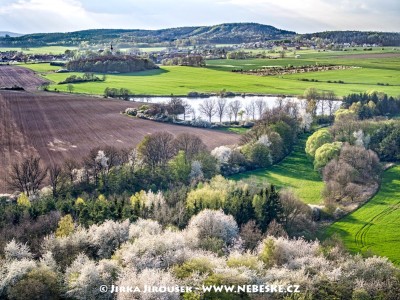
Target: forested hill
[218,34]
[358,37]
[230,33]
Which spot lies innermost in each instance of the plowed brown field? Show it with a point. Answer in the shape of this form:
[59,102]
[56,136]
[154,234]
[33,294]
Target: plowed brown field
[13,75]
[57,126]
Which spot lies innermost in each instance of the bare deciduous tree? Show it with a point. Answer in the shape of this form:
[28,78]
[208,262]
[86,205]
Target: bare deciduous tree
[251,110]
[261,105]
[330,98]
[70,166]
[57,179]
[189,143]
[208,108]
[27,176]
[235,107]
[221,108]
[187,109]
[157,149]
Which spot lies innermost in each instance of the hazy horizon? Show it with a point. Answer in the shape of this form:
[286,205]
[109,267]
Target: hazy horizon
[34,16]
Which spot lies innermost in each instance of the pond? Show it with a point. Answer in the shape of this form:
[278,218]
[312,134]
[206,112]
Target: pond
[246,107]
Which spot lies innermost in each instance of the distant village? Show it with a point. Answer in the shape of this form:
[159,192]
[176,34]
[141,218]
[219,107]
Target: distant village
[180,55]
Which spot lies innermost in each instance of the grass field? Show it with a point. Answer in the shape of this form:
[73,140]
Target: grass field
[375,226]
[41,50]
[238,130]
[355,76]
[181,80]
[296,171]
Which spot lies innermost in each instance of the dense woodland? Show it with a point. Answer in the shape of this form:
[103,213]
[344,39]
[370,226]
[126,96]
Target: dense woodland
[111,64]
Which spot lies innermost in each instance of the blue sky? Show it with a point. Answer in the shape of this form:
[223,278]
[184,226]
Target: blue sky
[28,16]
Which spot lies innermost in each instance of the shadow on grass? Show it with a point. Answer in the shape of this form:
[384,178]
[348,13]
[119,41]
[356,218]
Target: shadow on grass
[153,72]
[296,165]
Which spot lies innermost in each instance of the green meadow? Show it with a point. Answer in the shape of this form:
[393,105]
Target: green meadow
[40,50]
[295,171]
[374,228]
[180,80]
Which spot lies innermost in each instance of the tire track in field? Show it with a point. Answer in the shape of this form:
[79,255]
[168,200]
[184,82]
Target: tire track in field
[360,236]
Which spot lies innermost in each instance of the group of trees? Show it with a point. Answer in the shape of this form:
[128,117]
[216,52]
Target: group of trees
[357,37]
[107,168]
[325,101]
[189,60]
[211,250]
[381,136]
[111,64]
[121,93]
[348,154]
[86,77]
[173,108]
[267,142]
[233,109]
[368,105]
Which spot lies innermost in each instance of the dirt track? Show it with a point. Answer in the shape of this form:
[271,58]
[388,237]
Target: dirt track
[57,126]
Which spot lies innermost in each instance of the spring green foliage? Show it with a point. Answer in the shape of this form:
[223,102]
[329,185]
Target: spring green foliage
[373,228]
[258,154]
[316,140]
[23,201]
[368,105]
[268,252]
[40,283]
[326,153]
[180,168]
[66,226]
[238,199]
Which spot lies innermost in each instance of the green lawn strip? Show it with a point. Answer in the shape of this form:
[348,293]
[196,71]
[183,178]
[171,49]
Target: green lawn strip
[374,227]
[238,130]
[296,171]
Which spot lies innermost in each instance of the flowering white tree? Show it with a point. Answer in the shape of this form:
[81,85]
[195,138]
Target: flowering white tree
[84,278]
[157,251]
[264,140]
[306,120]
[214,223]
[361,140]
[107,237]
[12,271]
[222,154]
[196,172]
[143,227]
[18,251]
[102,159]
[148,277]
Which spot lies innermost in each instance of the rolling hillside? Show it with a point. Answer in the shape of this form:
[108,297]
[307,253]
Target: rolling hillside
[218,34]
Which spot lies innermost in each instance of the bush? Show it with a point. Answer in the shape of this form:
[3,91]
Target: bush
[214,224]
[316,140]
[325,154]
[40,283]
